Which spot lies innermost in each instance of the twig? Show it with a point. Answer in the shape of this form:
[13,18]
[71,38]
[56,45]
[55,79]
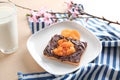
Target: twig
[102,18]
[83,13]
[21,6]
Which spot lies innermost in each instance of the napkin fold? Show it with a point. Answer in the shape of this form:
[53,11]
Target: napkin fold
[105,67]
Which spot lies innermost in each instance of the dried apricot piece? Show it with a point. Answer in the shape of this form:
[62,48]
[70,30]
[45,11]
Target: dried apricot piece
[74,34]
[64,48]
[58,51]
[66,32]
[61,41]
[70,50]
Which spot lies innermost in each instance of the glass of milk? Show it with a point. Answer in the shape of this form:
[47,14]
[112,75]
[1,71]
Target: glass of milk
[8,28]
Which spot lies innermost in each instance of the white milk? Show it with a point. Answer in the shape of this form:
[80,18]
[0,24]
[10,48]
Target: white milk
[8,30]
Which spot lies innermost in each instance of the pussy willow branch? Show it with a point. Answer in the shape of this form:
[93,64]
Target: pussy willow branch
[83,13]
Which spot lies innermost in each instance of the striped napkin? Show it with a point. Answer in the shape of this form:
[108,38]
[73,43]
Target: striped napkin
[105,67]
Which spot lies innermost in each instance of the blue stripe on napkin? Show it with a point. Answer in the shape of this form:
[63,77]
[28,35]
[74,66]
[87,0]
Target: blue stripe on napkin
[105,67]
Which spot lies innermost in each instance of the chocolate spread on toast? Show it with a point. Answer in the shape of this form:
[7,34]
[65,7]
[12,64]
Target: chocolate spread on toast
[75,57]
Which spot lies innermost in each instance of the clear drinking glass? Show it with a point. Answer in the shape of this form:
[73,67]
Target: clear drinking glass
[8,28]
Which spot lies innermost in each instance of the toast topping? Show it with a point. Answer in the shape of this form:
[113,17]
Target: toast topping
[64,48]
[74,34]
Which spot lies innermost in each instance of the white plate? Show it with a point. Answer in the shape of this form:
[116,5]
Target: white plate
[38,41]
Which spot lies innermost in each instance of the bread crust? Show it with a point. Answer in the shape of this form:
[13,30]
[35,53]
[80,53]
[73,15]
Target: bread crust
[68,62]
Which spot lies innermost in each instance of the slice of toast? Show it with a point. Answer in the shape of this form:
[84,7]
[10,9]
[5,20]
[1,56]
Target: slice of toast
[73,58]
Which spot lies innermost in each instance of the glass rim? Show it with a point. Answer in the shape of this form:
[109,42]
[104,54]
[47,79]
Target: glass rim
[10,4]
